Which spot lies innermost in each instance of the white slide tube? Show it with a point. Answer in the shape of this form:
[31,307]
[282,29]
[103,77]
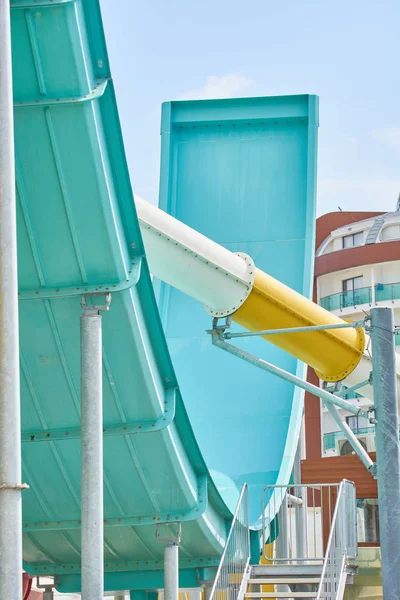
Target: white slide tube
[213,275]
[191,262]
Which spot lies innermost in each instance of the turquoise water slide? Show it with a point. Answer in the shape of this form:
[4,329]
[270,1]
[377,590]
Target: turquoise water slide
[241,172]
[246,186]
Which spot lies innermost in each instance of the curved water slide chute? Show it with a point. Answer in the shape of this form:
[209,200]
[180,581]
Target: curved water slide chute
[78,233]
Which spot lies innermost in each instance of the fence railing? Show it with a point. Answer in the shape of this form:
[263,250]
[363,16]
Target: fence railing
[342,544]
[330,438]
[231,579]
[387,291]
[383,292]
[346,299]
[299,518]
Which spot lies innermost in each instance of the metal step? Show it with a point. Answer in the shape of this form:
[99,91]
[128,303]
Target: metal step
[281,595]
[298,570]
[274,579]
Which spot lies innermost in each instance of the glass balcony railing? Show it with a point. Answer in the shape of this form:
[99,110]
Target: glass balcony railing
[387,291]
[330,438]
[346,299]
[383,292]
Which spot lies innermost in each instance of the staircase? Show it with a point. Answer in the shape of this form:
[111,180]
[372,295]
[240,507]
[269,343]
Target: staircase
[310,533]
[374,231]
[289,581]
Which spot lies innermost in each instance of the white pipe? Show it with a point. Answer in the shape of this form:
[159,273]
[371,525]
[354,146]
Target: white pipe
[193,263]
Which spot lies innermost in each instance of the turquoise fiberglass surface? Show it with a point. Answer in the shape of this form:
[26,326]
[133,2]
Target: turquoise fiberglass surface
[241,172]
[78,231]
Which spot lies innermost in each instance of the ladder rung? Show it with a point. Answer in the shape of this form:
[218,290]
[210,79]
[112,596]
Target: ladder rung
[282,595]
[277,579]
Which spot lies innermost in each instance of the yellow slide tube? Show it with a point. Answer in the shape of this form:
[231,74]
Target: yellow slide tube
[333,354]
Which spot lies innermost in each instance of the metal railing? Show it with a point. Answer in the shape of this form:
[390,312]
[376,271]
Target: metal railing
[383,292]
[231,579]
[330,438]
[299,519]
[387,291]
[341,546]
[346,299]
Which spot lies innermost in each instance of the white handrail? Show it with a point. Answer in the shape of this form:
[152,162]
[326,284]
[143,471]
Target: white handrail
[235,558]
[342,544]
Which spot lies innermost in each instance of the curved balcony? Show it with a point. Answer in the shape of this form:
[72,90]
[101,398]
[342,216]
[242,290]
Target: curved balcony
[383,292]
[346,299]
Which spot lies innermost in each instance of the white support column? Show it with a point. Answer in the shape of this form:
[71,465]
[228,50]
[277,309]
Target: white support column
[373,290]
[171,539]
[300,509]
[10,435]
[92,452]
[207,591]
[171,571]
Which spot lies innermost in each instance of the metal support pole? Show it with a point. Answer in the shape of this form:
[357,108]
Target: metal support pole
[91,453]
[282,541]
[352,439]
[300,509]
[270,368]
[207,591]
[10,437]
[387,446]
[355,325]
[171,579]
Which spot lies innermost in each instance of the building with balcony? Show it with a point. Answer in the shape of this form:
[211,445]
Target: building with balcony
[357,266]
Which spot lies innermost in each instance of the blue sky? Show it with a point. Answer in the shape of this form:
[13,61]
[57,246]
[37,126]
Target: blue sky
[347,52]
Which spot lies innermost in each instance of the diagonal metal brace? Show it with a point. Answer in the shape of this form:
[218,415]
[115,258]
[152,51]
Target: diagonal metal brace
[219,342]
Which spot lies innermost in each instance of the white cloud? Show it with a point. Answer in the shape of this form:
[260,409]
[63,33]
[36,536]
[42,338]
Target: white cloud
[390,136]
[225,86]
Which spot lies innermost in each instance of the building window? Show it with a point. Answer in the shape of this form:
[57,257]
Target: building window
[352,422]
[354,239]
[355,283]
[367,520]
[355,422]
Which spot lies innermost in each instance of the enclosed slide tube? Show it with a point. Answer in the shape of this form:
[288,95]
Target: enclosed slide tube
[229,283]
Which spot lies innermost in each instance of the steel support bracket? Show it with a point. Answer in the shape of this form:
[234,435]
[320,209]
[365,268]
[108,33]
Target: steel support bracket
[371,411]
[94,94]
[48,589]
[94,308]
[373,470]
[165,533]
[14,486]
[80,289]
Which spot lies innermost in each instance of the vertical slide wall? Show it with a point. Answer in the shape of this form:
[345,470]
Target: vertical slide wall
[242,172]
